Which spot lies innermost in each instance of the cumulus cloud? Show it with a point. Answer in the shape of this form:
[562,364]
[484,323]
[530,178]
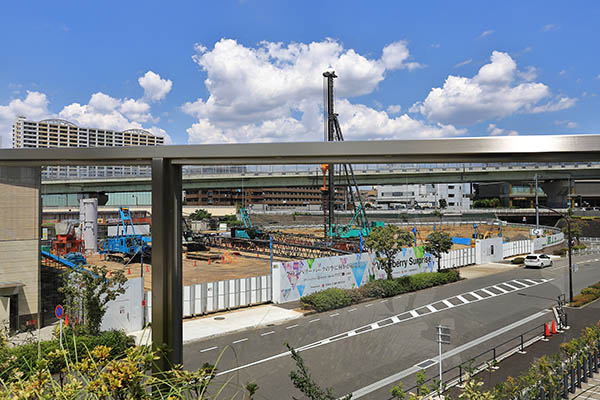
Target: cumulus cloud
[496,131]
[34,105]
[155,88]
[274,92]
[492,93]
[101,111]
[566,123]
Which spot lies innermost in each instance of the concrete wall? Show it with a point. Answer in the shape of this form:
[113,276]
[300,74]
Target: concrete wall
[488,250]
[19,237]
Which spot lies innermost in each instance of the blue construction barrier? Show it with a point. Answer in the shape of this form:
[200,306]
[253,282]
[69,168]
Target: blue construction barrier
[460,240]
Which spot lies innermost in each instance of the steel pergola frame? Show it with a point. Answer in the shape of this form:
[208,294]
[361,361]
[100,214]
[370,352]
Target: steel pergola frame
[166,162]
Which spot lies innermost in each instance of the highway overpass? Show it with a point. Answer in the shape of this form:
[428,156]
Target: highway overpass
[374,174]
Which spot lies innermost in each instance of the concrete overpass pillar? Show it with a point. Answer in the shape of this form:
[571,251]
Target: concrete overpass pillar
[557,193]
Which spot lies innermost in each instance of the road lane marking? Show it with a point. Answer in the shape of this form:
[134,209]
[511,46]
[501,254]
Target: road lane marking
[446,302]
[478,297]
[314,320]
[267,333]
[369,305]
[369,328]
[532,281]
[465,301]
[334,315]
[431,308]
[500,289]
[352,309]
[492,294]
[209,349]
[450,353]
[240,341]
[510,286]
[292,326]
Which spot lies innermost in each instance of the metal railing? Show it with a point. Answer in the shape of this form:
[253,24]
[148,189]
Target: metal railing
[484,360]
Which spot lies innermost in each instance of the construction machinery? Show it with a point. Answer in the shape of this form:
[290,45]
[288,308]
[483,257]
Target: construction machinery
[127,245]
[248,231]
[359,225]
[66,239]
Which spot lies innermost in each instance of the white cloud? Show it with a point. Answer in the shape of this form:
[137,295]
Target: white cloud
[485,33]
[562,72]
[561,103]
[394,109]
[395,54]
[460,64]
[568,124]
[274,92]
[155,88]
[491,93]
[34,105]
[496,131]
[549,27]
[101,111]
[529,74]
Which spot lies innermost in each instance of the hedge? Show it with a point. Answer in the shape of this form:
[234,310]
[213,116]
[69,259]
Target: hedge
[587,295]
[517,260]
[333,298]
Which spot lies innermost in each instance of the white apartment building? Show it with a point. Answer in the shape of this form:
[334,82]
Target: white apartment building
[60,133]
[456,195]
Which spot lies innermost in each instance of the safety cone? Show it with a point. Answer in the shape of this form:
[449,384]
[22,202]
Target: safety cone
[195,264]
[546,332]
[128,271]
[109,272]
[147,270]
[66,320]
[208,260]
[554,332]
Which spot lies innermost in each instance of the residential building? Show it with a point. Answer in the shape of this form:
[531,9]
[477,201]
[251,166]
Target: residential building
[60,133]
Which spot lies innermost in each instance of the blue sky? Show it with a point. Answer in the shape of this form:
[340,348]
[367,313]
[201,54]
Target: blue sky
[243,71]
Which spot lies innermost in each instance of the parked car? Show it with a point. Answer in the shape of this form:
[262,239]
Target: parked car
[538,260]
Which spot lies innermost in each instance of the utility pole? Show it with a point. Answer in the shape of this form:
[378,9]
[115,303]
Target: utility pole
[537,206]
[330,75]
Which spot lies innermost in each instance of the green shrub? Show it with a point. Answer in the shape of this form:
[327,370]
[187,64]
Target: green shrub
[579,247]
[560,252]
[517,260]
[326,300]
[591,290]
[356,295]
[582,299]
[26,356]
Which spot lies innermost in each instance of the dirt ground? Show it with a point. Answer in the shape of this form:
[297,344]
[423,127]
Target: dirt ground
[233,266]
[465,231]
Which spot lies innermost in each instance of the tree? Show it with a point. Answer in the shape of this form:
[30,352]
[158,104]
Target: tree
[87,292]
[438,243]
[443,203]
[200,214]
[576,229]
[386,242]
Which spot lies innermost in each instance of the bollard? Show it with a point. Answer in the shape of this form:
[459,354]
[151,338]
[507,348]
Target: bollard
[595,360]
[522,350]
[584,369]
[565,392]
[578,374]
[459,374]
[573,380]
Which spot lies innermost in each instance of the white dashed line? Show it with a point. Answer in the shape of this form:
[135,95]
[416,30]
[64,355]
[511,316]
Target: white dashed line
[352,309]
[488,292]
[462,299]
[267,333]
[292,326]
[478,297]
[500,289]
[314,320]
[414,313]
[446,302]
[334,315]
[431,308]
[209,349]
[240,341]
[369,305]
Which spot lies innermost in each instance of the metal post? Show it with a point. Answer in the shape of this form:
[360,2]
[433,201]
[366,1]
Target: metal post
[537,207]
[167,307]
[440,346]
[570,260]
[330,138]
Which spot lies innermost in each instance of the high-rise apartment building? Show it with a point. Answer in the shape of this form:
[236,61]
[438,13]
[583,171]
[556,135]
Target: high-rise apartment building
[60,133]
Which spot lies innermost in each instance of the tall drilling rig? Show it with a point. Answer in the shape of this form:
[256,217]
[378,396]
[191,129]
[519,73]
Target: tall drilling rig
[359,224]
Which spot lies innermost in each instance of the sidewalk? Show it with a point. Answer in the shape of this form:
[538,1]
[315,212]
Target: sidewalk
[477,271]
[227,322]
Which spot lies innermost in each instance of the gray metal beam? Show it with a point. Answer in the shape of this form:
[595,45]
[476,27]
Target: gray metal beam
[488,149]
[167,283]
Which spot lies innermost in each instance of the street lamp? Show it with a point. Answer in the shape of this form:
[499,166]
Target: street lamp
[568,221]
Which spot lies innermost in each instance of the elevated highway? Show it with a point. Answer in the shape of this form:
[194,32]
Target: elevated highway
[374,174]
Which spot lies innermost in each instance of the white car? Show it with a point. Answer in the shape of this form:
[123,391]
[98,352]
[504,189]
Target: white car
[538,260]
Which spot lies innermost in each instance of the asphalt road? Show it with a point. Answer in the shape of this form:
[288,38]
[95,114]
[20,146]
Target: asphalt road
[356,348]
